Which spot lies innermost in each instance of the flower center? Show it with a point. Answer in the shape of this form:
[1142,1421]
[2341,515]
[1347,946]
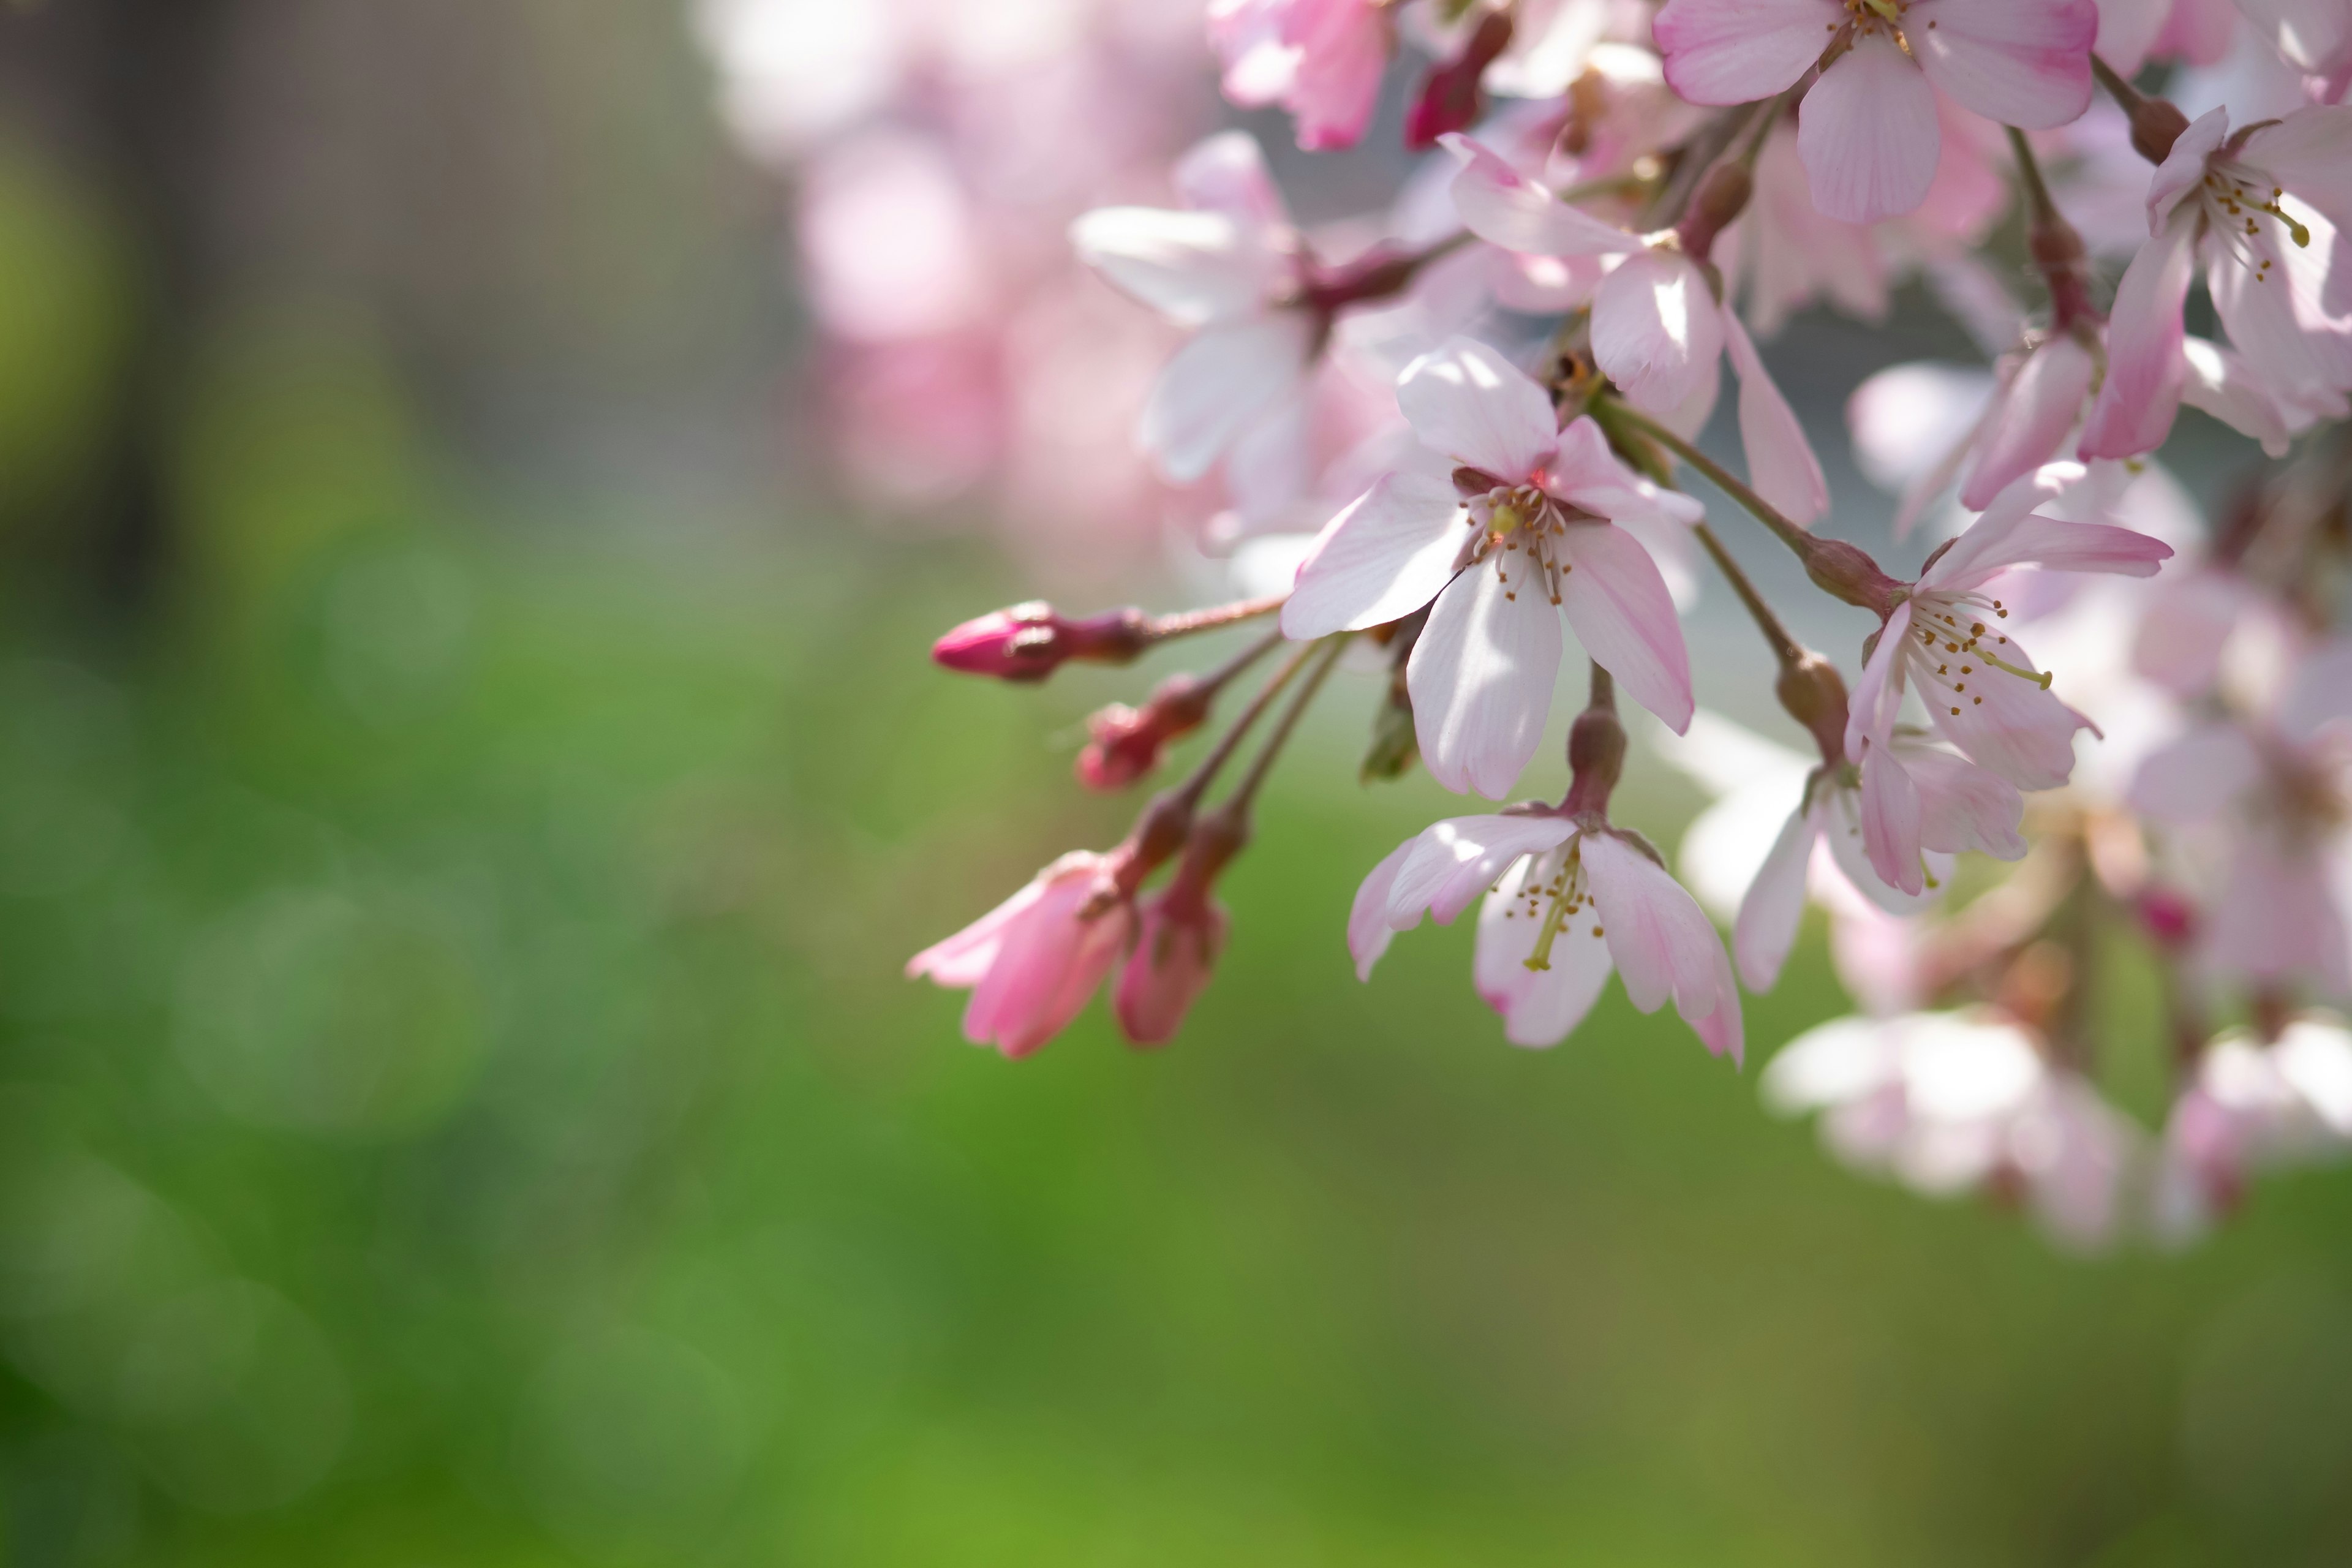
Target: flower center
[1956,649]
[1517,528]
[1869,16]
[2237,200]
[1554,892]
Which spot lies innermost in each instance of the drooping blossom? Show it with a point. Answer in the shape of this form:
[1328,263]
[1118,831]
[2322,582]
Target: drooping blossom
[1228,267]
[1180,932]
[2252,1107]
[1981,688]
[1956,1102]
[1031,962]
[1783,826]
[1867,130]
[2262,210]
[1567,901]
[1658,329]
[1507,522]
[1320,60]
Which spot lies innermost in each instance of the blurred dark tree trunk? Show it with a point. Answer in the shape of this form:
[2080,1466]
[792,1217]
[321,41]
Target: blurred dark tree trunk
[124,92]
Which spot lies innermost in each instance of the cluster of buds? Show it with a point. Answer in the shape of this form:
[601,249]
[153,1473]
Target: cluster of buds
[1658,186]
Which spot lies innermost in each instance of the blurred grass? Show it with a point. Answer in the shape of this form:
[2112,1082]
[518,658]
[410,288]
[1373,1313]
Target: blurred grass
[459,1106]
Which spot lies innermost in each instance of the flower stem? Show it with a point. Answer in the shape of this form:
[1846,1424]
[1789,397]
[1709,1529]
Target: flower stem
[1197,784]
[1839,569]
[2156,122]
[2057,249]
[1785,648]
[1159,628]
[1238,805]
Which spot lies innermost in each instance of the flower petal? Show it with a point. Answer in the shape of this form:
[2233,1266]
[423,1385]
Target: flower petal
[1454,861]
[2305,153]
[1871,714]
[1468,401]
[2010,534]
[1662,941]
[1540,1006]
[1737,51]
[1868,135]
[1214,387]
[1504,207]
[2025,63]
[1585,473]
[1369,932]
[2015,726]
[1226,174]
[1780,463]
[2135,408]
[2197,775]
[1962,806]
[1386,555]
[1657,331]
[1194,267]
[1480,677]
[1890,821]
[1617,601]
[1768,915]
[2030,419]
[2222,385]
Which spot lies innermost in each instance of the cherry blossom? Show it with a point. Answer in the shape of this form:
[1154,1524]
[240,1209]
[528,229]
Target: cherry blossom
[1567,901]
[2253,1106]
[1031,962]
[1868,130]
[1504,524]
[1320,60]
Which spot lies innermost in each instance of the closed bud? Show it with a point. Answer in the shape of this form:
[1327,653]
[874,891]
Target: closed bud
[1181,933]
[1030,641]
[1813,693]
[1126,743]
[1450,98]
[2156,124]
[1721,197]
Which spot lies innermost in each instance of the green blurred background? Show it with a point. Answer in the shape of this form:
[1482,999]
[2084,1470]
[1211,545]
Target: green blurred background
[465,796]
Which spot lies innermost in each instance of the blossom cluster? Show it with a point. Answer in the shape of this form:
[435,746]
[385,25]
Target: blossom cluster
[1453,441]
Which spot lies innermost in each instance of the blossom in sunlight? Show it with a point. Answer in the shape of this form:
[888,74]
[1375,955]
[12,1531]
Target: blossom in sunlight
[1658,331]
[1981,688]
[2262,209]
[1868,130]
[1033,961]
[1320,60]
[1959,1103]
[1506,524]
[1568,899]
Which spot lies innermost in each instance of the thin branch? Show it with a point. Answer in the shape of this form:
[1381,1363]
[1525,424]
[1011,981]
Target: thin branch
[1785,648]
[1238,805]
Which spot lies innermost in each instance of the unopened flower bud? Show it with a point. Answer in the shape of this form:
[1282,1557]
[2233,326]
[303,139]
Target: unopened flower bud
[1813,694]
[2156,124]
[1030,641]
[1180,935]
[1721,197]
[1450,99]
[1125,742]
[1596,759]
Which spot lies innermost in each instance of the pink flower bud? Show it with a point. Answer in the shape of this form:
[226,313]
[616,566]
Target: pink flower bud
[1030,641]
[1450,99]
[1182,933]
[1126,742]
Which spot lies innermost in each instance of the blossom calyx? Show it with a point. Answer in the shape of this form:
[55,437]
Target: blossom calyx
[1029,641]
[1720,198]
[1813,693]
[1596,760]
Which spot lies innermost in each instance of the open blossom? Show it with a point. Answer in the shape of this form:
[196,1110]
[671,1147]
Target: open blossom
[1228,267]
[1957,1102]
[1507,522]
[1567,901]
[1867,130]
[1981,690]
[2262,209]
[1031,962]
[2253,1107]
[1320,60]
[1658,329]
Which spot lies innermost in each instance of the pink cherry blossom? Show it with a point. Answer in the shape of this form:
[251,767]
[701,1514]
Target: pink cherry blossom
[1567,901]
[1981,688]
[1868,131]
[1178,935]
[1320,60]
[1658,329]
[2253,1107]
[1031,962]
[1226,267]
[1506,524]
[1957,1102]
[2262,209]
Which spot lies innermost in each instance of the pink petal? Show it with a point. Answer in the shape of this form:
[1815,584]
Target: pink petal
[1586,474]
[1226,174]
[1456,860]
[2021,62]
[1481,679]
[1194,267]
[2029,418]
[2135,408]
[1343,52]
[2319,694]
[1868,135]
[2315,35]
[1369,932]
[1890,821]
[2221,383]
[1617,601]
[2184,167]
[1050,963]
[1662,941]
[1657,331]
[959,962]
[1216,386]
[2127,29]
[1737,51]
[2283,322]
[1504,207]
[2010,534]
[2305,153]
[1468,401]
[1871,713]
[1539,1007]
[1768,915]
[1844,840]
[2019,729]
[1175,951]
[1961,806]
[1781,466]
[1385,555]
